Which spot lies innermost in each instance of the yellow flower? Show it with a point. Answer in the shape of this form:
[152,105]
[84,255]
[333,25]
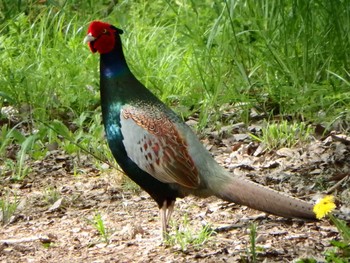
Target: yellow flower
[324,206]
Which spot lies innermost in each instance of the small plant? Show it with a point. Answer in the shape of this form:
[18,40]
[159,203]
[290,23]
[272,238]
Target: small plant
[7,208]
[6,138]
[9,137]
[184,236]
[252,237]
[98,223]
[130,185]
[284,134]
[51,195]
[22,169]
[341,249]
[339,253]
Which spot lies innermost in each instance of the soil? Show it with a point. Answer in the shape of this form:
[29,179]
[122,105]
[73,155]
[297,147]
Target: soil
[57,204]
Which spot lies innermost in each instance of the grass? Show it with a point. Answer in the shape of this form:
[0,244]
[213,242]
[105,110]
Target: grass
[129,185]
[252,237]
[289,58]
[284,134]
[184,236]
[8,206]
[51,195]
[98,223]
[8,136]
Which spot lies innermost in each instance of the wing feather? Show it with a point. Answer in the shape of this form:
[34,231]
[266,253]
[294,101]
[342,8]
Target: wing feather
[152,141]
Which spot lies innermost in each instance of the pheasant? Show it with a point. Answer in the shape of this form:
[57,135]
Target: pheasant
[158,151]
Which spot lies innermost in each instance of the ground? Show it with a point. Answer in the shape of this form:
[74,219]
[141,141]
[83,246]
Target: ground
[57,205]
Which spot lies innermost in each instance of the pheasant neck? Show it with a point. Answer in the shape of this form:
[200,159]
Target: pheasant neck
[113,64]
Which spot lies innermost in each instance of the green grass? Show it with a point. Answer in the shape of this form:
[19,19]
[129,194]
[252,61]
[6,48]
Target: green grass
[183,236]
[288,58]
[284,134]
[98,223]
[252,236]
[129,185]
[43,65]
[51,195]
[8,206]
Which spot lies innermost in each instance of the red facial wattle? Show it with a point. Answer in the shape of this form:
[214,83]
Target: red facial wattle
[103,35]
[91,46]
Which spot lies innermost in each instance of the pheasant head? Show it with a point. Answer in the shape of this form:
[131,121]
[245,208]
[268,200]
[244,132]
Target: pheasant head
[101,37]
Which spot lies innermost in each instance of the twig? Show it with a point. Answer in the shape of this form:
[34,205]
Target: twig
[228,228]
[42,239]
[83,148]
[330,190]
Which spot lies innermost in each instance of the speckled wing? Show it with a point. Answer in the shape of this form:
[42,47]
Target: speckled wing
[152,141]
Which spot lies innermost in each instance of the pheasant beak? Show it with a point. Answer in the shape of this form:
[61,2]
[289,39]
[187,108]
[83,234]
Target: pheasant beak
[89,38]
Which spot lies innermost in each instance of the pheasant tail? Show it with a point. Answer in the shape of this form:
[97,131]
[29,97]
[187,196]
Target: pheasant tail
[242,191]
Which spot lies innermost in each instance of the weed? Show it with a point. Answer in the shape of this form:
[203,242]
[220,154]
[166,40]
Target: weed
[339,253]
[341,249]
[252,237]
[8,207]
[98,223]
[130,185]
[11,137]
[22,169]
[51,195]
[284,134]
[343,229]
[184,236]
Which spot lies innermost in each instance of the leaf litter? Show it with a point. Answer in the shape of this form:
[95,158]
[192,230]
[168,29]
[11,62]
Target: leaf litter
[59,230]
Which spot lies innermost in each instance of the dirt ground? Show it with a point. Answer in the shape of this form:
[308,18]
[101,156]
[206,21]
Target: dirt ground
[60,230]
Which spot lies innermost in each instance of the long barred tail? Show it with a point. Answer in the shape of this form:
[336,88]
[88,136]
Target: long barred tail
[242,191]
